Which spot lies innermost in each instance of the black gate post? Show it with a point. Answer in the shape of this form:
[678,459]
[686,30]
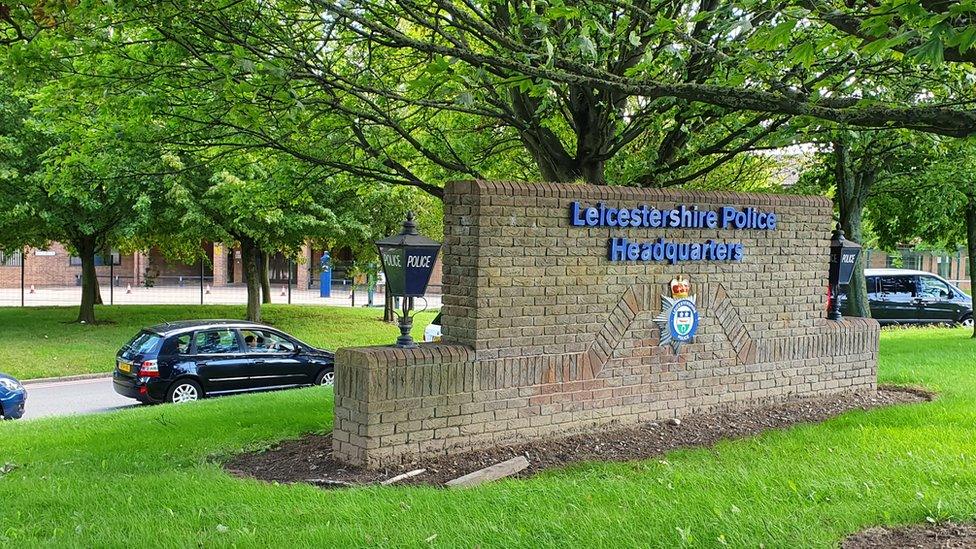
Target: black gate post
[111,278]
[201,280]
[23,275]
[291,264]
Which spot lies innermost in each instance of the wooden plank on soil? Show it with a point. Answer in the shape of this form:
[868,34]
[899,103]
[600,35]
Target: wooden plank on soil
[404,476]
[488,474]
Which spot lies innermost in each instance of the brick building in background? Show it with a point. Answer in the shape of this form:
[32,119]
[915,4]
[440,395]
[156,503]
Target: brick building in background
[56,267]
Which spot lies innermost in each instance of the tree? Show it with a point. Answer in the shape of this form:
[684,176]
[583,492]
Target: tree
[286,78]
[262,203]
[936,203]
[928,31]
[853,168]
[74,173]
[785,54]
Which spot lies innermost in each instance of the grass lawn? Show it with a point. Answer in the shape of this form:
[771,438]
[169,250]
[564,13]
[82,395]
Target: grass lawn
[45,342]
[144,476]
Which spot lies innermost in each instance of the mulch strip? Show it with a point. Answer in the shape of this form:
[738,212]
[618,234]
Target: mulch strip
[309,459]
[929,536]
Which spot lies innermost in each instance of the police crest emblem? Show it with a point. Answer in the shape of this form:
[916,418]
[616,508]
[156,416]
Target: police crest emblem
[678,320]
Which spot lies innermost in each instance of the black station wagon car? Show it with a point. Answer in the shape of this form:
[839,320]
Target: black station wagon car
[902,296]
[186,361]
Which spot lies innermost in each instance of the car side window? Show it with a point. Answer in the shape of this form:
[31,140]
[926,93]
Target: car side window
[253,341]
[260,341]
[183,344]
[216,342]
[277,344]
[929,286]
[898,286]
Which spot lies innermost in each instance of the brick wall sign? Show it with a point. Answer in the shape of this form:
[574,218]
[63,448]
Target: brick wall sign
[558,297]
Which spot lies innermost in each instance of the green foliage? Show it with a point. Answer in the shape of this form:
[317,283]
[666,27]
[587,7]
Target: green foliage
[927,204]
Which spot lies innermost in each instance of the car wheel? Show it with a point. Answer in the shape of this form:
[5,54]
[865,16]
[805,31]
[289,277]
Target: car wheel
[967,321]
[326,377]
[184,390]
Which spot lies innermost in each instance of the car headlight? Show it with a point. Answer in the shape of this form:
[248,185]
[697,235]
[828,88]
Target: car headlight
[10,384]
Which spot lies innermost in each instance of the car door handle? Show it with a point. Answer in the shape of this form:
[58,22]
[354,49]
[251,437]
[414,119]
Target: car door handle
[259,361]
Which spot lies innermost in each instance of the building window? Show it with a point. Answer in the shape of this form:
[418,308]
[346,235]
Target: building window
[100,260]
[11,259]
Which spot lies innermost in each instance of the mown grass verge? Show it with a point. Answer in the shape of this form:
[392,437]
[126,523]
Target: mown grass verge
[147,476]
[45,342]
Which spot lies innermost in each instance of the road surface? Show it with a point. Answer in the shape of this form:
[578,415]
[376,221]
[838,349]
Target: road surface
[62,398]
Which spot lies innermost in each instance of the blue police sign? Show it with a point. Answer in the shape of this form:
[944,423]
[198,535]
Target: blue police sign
[408,260]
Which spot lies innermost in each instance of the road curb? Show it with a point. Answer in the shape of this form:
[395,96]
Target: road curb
[81,377]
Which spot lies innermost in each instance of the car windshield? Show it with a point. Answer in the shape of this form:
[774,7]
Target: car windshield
[145,342]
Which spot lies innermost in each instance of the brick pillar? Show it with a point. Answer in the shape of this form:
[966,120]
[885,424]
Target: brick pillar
[304,268]
[219,265]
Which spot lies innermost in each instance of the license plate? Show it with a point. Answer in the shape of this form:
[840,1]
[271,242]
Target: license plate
[125,367]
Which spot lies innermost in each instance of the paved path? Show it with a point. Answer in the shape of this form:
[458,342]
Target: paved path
[85,396]
[190,295]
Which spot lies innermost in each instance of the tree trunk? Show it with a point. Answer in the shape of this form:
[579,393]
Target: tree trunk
[89,279]
[264,263]
[388,305]
[853,189]
[971,245]
[250,257]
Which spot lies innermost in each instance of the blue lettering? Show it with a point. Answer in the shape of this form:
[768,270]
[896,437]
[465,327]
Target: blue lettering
[737,252]
[721,251]
[658,253]
[728,216]
[618,249]
[575,216]
[646,249]
[711,220]
[675,218]
[611,217]
[671,252]
[633,251]
[592,217]
[655,218]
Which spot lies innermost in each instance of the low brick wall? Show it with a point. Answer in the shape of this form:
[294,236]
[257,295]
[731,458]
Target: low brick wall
[545,336]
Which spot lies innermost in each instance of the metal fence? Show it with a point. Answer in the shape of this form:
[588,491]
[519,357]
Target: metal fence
[53,278]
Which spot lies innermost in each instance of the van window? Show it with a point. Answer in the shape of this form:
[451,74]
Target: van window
[872,283]
[929,286]
[898,286]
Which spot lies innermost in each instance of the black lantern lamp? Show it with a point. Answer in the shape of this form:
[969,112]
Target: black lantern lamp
[408,260]
[843,255]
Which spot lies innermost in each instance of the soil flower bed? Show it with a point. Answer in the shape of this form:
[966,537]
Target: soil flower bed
[929,536]
[309,459]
